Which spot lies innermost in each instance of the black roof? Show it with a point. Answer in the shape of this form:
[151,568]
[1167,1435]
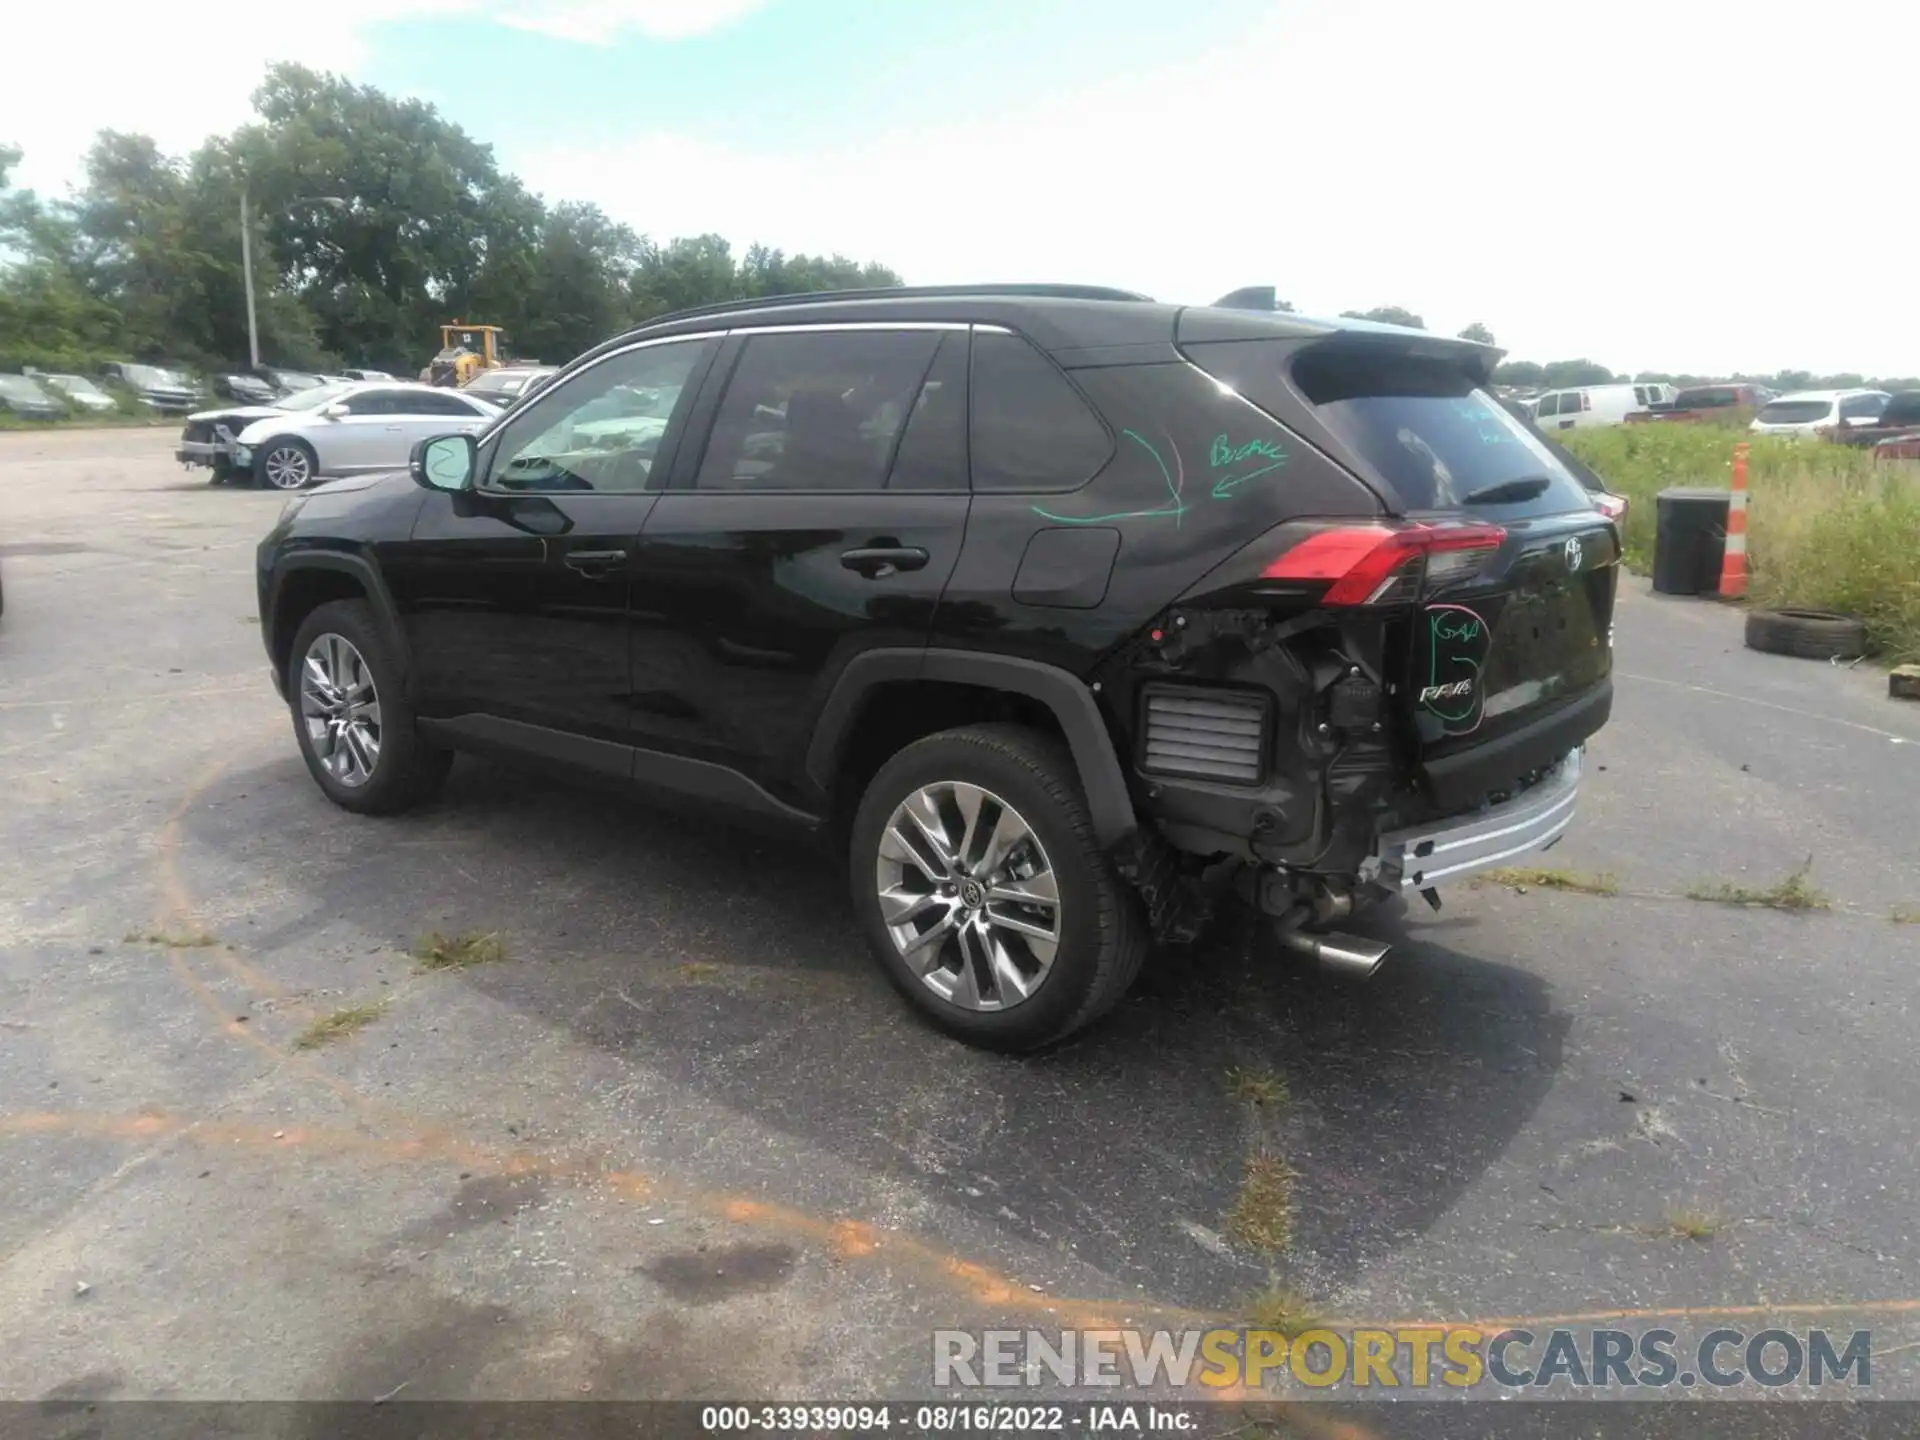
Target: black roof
[1056,317]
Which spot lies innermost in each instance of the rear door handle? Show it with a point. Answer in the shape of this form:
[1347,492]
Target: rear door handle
[878,562]
[595,564]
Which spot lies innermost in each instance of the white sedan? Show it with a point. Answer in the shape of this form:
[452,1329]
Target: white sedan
[348,429]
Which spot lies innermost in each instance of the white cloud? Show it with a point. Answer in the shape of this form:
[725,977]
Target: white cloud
[181,72]
[1646,183]
[596,22]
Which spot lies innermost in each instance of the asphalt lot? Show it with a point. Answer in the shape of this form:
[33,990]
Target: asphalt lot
[684,1142]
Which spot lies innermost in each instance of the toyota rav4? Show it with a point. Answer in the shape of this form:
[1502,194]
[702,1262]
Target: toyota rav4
[1061,611]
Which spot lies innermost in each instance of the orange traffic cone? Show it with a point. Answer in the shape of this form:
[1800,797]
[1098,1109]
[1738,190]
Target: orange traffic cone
[1733,564]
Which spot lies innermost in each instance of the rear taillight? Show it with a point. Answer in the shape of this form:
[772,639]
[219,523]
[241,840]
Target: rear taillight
[1614,507]
[1374,565]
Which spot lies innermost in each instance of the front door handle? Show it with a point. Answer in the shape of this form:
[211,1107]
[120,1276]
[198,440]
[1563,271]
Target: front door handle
[878,562]
[596,564]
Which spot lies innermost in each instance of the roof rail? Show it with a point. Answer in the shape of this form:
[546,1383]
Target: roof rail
[902,292]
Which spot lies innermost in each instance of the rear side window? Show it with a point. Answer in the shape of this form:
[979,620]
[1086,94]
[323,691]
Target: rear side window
[1794,412]
[1549,405]
[933,449]
[1436,439]
[818,411]
[1031,430]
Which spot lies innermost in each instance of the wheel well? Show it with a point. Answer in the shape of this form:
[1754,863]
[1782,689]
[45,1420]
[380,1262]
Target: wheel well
[900,712]
[301,593]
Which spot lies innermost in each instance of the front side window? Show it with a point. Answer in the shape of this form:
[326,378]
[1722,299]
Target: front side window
[1862,407]
[563,442]
[818,411]
[1549,405]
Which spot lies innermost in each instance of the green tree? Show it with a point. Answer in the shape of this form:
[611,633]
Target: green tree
[1561,373]
[1387,315]
[1477,333]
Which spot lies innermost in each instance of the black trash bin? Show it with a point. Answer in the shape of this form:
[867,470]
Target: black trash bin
[1690,540]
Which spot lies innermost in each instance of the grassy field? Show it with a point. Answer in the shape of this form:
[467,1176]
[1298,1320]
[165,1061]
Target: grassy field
[1827,527]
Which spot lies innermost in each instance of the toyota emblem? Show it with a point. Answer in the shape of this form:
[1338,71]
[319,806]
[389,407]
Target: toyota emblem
[1572,551]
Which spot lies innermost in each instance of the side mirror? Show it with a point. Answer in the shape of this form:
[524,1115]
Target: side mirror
[444,462]
[336,411]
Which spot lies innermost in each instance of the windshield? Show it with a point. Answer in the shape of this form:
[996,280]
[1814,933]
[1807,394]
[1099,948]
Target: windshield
[1795,412]
[74,384]
[316,397]
[18,387]
[152,377]
[295,379]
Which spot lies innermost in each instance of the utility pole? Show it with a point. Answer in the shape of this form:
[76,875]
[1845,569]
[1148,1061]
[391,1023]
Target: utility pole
[246,269]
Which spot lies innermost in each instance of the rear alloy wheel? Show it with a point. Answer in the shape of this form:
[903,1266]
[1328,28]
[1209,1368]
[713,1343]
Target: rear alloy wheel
[287,464]
[986,897]
[969,896]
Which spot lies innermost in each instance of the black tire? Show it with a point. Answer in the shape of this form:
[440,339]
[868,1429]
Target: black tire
[220,471]
[1103,937]
[408,770]
[290,443]
[1808,634]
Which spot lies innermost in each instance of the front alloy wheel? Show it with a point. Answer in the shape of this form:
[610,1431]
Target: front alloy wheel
[287,467]
[340,709]
[968,896]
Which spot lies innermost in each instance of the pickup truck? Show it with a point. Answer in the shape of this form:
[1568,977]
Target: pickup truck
[1720,404]
[1899,421]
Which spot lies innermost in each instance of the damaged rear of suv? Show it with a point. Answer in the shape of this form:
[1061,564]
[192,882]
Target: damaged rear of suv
[1386,694]
[1060,612]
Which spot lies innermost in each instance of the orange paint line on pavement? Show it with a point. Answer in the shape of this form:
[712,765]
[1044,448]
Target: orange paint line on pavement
[839,1235]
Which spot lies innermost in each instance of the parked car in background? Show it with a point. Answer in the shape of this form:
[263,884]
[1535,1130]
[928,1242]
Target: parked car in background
[20,396]
[1819,412]
[245,389]
[1609,504]
[1900,419]
[1697,403]
[366,374]
[155,386]
[288,382]
[1586,405]
[1654,394]
[508,384]
[77,391]
[1905,447]
[346,429]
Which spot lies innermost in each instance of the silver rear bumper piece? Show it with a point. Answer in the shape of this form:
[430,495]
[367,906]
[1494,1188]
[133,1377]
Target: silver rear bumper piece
[1445,850]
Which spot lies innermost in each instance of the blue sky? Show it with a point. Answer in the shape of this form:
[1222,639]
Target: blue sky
[1651,183]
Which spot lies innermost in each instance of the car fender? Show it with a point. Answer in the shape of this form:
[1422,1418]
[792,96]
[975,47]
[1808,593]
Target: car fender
[1071,702]
[379,598]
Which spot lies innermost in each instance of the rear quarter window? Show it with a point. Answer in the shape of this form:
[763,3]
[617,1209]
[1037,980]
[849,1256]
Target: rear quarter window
[1030,429]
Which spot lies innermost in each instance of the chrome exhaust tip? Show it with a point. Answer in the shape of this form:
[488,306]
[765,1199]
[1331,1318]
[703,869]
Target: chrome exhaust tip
[1350,955]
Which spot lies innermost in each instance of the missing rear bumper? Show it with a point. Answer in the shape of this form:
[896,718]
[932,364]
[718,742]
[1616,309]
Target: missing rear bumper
[1423,856]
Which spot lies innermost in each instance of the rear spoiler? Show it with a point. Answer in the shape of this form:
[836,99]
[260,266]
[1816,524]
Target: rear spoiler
[1252,297]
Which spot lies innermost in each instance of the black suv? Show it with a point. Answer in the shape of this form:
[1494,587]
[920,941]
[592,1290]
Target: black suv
[1061,610]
